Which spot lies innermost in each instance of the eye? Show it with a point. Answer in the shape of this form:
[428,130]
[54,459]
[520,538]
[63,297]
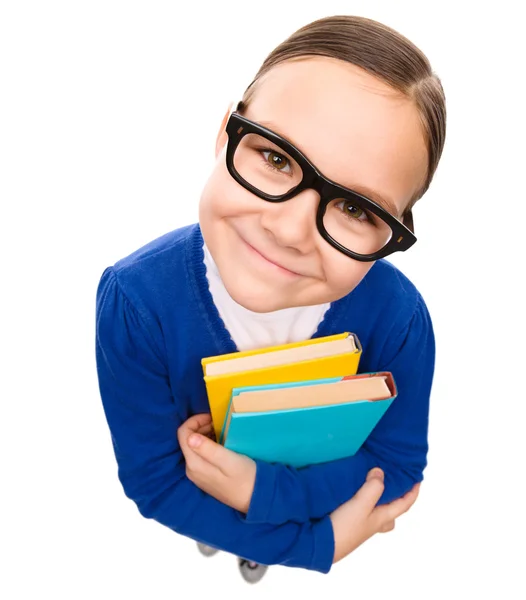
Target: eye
[277,161]
[353,211]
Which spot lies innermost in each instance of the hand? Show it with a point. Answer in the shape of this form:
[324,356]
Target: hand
[359,518]
[227,476]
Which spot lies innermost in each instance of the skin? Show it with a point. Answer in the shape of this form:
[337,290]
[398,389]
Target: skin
[230,477]
[360,133]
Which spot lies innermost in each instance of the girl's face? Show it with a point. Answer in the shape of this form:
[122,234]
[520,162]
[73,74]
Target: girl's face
[360,133]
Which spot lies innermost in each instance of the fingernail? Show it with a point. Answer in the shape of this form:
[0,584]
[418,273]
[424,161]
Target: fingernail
[194,441]
[376,473]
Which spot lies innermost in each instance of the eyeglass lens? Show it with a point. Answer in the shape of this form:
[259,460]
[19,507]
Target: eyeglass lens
[269,169]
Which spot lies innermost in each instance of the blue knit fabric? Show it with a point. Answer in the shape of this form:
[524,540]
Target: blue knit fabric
[155,321]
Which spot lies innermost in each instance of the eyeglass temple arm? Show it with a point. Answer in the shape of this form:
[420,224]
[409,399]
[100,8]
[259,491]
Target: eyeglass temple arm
[407,220]
[408,216]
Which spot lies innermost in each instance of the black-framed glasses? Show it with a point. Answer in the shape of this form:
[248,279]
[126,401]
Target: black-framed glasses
[275,170]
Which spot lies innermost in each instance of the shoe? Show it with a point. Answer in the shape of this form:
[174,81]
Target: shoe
[251,571]
[206,550]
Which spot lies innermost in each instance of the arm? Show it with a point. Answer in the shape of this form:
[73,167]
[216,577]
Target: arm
[143,416]
[398,445]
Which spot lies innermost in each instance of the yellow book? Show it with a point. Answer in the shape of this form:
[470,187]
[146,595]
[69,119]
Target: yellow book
[331,356]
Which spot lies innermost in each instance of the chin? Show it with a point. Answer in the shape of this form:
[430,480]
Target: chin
[255,301]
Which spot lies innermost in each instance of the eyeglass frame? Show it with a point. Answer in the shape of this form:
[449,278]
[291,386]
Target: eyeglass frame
[403,236]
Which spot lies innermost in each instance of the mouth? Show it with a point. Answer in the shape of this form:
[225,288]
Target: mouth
[278,266]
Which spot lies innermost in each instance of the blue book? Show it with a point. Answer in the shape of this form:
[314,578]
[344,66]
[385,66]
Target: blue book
[307,422]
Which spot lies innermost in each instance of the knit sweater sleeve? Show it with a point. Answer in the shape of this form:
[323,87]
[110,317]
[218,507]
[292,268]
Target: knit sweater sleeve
[398,444]
[143,417]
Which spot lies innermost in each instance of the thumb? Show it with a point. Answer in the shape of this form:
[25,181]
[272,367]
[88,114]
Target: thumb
[372,490]
[207,449]
[375,473]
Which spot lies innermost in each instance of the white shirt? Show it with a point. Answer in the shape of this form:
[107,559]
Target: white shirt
[251,330]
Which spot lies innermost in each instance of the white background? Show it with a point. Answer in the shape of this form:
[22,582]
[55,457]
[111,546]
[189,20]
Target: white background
[108,117]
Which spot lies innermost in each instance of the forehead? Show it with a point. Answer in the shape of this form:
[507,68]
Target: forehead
[355,128]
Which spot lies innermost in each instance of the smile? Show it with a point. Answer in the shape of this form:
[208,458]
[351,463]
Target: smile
[277,266]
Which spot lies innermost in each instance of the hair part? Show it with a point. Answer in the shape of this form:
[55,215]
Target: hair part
[382,52]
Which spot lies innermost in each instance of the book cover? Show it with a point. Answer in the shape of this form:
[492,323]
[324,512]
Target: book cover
[219,386]
[308,435]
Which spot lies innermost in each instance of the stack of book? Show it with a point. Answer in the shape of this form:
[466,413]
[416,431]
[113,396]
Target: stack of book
[297,404]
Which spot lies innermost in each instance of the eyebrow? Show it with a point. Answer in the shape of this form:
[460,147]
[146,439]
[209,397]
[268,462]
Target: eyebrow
[385,203]
[382,201]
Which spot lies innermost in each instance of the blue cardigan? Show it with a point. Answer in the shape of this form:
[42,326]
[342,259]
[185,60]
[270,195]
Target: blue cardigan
[155,321]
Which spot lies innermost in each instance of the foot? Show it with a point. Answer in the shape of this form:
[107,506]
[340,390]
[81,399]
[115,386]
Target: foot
[251,571]
[206,550]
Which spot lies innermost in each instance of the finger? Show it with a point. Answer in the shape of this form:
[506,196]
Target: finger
[194,461]
[387,527]
[204,429]
[376,472]
[192,424]
[391,511]
[210,451]
[371,491]
[198,469]
[195,422]
[207,430]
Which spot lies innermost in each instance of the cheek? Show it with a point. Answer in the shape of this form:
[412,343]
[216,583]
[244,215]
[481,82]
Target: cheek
[343,274]
[222,196]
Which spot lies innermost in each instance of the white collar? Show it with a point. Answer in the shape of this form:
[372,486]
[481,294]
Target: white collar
[250,330]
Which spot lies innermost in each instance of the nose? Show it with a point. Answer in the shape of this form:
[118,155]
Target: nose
[292,224]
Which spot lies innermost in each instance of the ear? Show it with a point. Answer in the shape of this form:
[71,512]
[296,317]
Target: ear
[222,136]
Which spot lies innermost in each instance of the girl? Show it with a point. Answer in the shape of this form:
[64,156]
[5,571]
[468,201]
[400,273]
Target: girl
[317,172]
